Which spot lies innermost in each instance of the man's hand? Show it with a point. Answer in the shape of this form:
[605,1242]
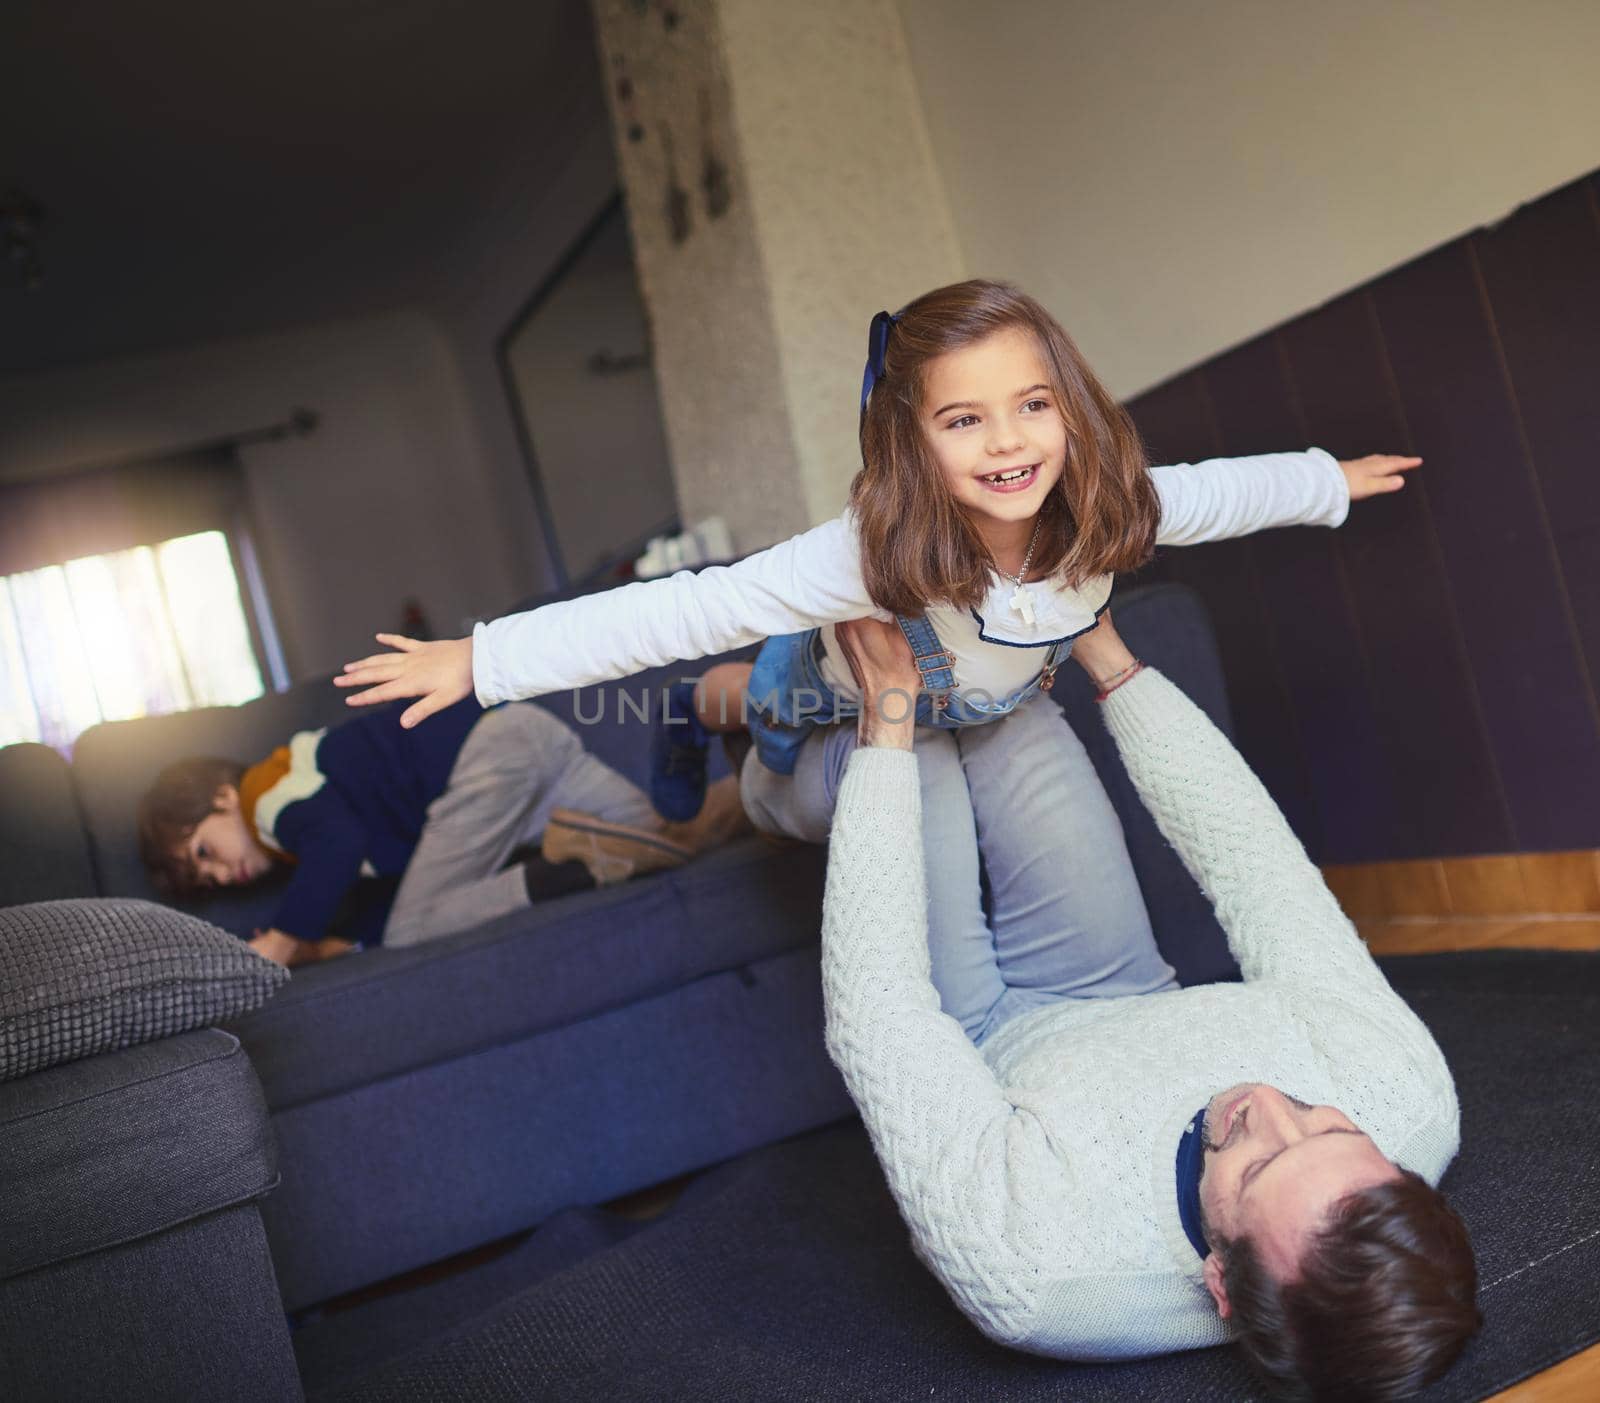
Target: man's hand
[1102,653]
[440,673]
[1376,474]
[884,669]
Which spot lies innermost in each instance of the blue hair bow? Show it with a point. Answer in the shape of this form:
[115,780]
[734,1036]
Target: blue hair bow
[877,349]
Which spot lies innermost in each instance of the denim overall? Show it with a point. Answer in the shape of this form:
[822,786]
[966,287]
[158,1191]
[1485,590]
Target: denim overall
[787,698]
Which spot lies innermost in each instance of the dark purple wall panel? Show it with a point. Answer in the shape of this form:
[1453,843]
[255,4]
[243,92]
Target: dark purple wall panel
[1175,421]
[1312,623]
[1443,795]
[1178,425]
[1542,272]
[1496,548]
[1423,681]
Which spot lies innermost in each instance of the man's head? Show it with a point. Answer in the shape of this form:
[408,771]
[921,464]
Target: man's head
[192,831]
[1346,1276]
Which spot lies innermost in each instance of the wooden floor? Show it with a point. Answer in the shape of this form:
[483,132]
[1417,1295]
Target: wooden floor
[1575,1380]
[1421,935]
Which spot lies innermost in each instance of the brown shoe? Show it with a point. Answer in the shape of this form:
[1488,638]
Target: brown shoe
[612,852]
[721,819]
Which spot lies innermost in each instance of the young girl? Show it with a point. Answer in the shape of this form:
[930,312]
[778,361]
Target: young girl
[1001,489]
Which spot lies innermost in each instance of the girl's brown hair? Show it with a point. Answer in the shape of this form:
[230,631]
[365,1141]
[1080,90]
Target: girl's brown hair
[917,545]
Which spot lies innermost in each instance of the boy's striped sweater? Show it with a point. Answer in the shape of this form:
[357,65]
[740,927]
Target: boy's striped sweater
[348,801]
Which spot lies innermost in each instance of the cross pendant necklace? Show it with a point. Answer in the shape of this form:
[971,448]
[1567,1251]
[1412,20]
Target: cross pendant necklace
[1021,601]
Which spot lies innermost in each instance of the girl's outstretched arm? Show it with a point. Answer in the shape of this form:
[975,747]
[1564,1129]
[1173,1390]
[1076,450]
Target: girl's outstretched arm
[1226,497]
[812,579]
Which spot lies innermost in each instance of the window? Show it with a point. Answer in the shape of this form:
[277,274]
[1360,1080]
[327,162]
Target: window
[132,633]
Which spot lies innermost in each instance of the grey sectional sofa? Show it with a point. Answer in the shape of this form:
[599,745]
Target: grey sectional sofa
[394,1108]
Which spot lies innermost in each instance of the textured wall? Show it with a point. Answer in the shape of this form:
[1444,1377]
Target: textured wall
[760,316]
[850,212]
[1172,179]
[716,354]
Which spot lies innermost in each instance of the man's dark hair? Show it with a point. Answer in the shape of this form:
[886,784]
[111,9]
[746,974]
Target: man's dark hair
[1384,1301]
[172,808]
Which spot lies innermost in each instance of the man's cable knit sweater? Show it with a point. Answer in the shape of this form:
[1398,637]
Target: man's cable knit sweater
[1036,1174]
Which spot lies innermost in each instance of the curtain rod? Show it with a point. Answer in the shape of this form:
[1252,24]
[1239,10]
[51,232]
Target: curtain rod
[300,423]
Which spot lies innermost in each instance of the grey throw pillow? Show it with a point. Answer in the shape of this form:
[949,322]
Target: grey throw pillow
[88,976]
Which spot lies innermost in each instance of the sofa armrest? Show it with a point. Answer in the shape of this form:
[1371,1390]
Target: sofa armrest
[129,1220]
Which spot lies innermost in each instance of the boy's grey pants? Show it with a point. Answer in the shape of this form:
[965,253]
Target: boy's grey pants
[517,764]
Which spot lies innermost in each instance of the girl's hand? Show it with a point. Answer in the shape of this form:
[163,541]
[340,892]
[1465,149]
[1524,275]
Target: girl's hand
[1376,474]
[440,673]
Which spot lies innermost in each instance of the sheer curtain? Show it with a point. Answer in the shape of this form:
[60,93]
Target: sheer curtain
[119,597]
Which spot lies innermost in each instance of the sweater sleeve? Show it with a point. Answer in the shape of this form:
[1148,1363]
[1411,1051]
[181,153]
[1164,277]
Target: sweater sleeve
[1281,920]
[809,580]
[328,842]
[1226,497]
[947,1136]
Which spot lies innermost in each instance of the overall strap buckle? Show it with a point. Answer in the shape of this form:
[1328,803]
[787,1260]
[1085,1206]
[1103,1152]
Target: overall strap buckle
[1052,661]
[935,664]
[930,663]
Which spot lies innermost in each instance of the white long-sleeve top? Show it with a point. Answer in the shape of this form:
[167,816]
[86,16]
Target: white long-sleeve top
[1037,1174]
[814,580]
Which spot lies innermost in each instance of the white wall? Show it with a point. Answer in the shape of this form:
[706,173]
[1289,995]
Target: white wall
[848,206]
[544,207]
[414,484]
[598,439]
[388,498]
[1172,178]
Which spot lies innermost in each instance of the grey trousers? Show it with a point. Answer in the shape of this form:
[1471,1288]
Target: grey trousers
[517,764]
[1067,919]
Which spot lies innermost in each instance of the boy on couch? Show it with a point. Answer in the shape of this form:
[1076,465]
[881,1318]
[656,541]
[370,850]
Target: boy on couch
[446,804]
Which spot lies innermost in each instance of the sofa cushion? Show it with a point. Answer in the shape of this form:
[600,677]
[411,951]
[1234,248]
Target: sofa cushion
[422,1166]
[188,1314]
[353,1021]
[115,1148]
[88,976]
[41,831]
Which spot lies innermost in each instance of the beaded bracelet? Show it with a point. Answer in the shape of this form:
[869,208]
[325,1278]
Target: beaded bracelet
[1117,679]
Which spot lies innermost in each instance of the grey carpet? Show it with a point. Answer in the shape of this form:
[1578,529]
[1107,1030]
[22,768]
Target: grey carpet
[786,1275]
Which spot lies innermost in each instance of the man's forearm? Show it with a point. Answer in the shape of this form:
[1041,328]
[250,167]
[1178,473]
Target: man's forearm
[1231,835]
[888,716]
[926,1096]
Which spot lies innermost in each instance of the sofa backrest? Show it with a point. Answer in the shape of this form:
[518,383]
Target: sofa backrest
[115,762]
[44,852]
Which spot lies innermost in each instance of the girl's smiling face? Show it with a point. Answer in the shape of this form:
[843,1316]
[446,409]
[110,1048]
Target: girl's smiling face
[992,421]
